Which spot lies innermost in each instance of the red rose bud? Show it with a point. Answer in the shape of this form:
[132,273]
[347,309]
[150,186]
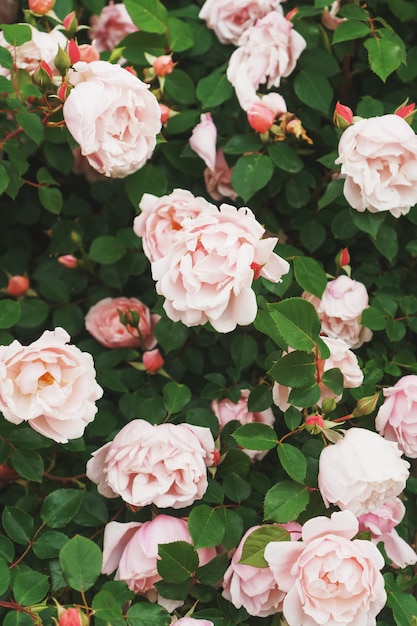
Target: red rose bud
[291,14]
[73,51]
[152,360]
[63,91]
[40,7]
[407,112]
[343,257]
[72,617]
[314,424]
[42,76]
[260,117]
[17,286]
[163,65]
[342,116]
[257,269]
[70,23]
[131,70]
[165,113]
[216,457]
[67,260]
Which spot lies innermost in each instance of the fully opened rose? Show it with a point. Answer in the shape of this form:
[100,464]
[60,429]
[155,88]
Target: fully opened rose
[50,385]
[113,116]
[397,417]
[329,577]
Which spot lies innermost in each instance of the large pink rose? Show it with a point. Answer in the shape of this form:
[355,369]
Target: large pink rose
[361,471]
[340,357]
[379,163]
[203,140]
[226,411]
[113,116]
[340,310]
[208,274]
[397,417]
[42,46]
[165,465]
[191,621]
[381,524]
[230,18]
[50,385]
[132,550]
[161,219]
[328,578]
[267,52]
[103,322]
[253,588]
[111,26]
[219,180]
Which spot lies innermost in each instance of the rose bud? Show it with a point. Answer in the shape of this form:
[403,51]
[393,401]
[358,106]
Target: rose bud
[17,286]
[163,65]
[342,116]
[343,257]
[73,51]
[260,117]
[42,76]
[165,113]
[152,360]
[40,7]
[68,260]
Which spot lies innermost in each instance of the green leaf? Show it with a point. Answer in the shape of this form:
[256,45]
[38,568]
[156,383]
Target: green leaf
[81,562]
[4,176]
[293,461]
[174,591]
[213,571]
[178,561]
[28,464]
[176,397]
[285,157]
[295,369]
[106,250]
[297,322]
[4,576]
[148,15]
[7,550]
[396,330]
[314,90]
[250,174]
[60,506]
[17,524]
[236,488]
[214,89]
[403,605]
[333,379]
[146,614]
[51,199]
[15,618]
[48,544]
[244,351]
[149,179]
[6,60]
[256,436]
[255,544]
[384,56]
[285,501]
[333,191]
[206,528]
[368,222]
[180,35]
[180,87]
[16,34]
[260,398]
[310,275]
[386,242]
[233,525]
[238,144]
[9,313]
[30,588]
[107,608]
[349,30]
[32,125]
[305,396]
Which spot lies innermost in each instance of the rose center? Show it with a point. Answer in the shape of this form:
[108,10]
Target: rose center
[45,380]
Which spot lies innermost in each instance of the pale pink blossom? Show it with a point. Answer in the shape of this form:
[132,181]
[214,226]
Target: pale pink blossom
[267,52]
[264,111]
[378,158]
[191,621]
[113,116]
[111,26]
[164,464]
[161,219]
[41,47]
[397,417]
[329,578]
[132,550]
[231,18]
[361,471]
[103,323]
[219,180]
[381,523]
[340,309]
[50,385]
[203,140]
[226,411]
[207,275]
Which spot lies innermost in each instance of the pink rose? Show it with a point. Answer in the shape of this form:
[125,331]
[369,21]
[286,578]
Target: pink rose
[191,621]
[203,140]
[231,18]
[361,471]
[340,357]
[267,52]
[111,26]
[165,465]
[397,417]
[328,578]
[161,219]
[43,46]
[263,111]
[340,310]
[71,617]
[219,180]
[153,360]
[103,322]
[50,385]
[132,550]
[381,523]
[226,411]
[208,274]
[113,116]
[253,588]
[379,158]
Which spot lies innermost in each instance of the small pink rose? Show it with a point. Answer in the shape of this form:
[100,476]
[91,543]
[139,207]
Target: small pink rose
[153,360]
[163,65]
[397,417]
[203,140]
[111,26]
[17,286]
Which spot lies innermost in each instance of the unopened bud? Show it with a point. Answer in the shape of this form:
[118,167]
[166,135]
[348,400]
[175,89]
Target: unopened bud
[17,286]
[406,111]
[73,51]
[343,257]
[314,424]
[71,617]
[68,260]
[70,23]
[63,91]
[42,76]
[328,405]
[342,116]
[62,61]
[152,360]
[216,457]
[260,117]
[291,14]
[40,7]
[365,405]
[165,113]
[163,65]
[257,269]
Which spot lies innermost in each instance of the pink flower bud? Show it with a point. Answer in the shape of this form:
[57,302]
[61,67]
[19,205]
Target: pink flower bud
[216,457]
[342,116]
[70,23]
[71,617]
[407,112]
[343,258]
[291,14]
[42,76]
[165,113]
[68,260]
[17,286]
[73,51]
[40,7]
[260,117]
[63,91]
[314,424]
[163,65]
[152,360]
[88,53]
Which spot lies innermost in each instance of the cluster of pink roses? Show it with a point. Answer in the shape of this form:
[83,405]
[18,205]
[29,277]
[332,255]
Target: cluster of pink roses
[204,259]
